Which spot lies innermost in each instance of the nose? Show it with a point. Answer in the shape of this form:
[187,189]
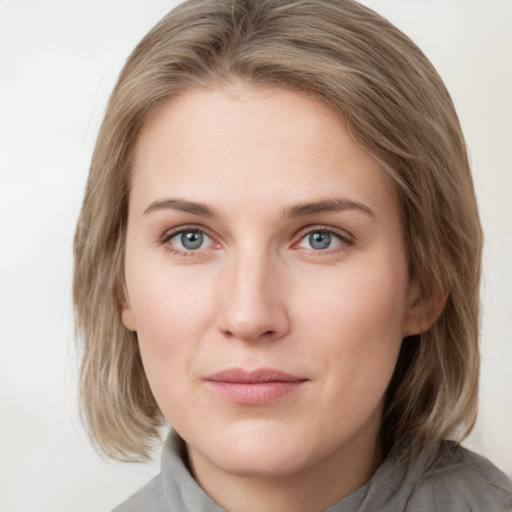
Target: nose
[253,299]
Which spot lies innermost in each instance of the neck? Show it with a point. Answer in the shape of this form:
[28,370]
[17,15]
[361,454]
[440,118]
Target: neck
[310,489]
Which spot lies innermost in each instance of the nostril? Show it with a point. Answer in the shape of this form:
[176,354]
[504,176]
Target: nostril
[265,334]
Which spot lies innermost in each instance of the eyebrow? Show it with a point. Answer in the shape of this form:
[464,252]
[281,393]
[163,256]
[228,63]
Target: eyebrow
[180,205]
[299,210]
[327,205]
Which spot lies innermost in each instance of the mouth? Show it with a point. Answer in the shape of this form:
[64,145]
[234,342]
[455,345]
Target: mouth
[257,387]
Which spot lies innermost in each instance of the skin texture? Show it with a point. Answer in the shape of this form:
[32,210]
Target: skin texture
[257,294]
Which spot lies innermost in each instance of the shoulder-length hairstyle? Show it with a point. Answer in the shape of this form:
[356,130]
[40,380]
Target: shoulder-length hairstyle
[396,107]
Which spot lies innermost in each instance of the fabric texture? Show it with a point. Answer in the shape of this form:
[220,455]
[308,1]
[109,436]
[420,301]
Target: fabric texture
[453,479]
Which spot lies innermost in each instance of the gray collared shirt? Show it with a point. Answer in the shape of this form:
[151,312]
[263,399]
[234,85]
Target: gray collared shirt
[457,480]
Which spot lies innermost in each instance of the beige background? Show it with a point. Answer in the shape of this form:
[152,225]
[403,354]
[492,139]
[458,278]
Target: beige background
[58,61]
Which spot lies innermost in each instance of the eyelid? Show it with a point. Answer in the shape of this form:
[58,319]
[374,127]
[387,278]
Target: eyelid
[171,233]
[343,234]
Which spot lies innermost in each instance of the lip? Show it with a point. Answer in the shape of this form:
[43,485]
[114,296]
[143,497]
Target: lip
[256,387]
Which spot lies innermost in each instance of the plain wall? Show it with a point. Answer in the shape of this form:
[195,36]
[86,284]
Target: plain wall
[58,62]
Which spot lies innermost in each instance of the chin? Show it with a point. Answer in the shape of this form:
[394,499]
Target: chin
[262,463]
[261,452]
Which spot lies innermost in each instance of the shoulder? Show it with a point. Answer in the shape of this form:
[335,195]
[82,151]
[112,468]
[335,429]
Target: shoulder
[459,480]
[149,498]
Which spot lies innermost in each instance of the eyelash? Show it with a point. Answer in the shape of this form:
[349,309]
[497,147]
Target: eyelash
[346,239]
[169,235]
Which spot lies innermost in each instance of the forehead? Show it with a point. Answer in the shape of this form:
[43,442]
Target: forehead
[254,144]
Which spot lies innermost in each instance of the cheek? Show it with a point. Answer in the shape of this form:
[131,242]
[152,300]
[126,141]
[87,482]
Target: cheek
[356,321]
[354,302]
[170,325]
[175,308]
[172,308]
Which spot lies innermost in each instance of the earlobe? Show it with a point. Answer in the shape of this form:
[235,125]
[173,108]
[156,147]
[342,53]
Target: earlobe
[127,318]
[126,310]
[422,310]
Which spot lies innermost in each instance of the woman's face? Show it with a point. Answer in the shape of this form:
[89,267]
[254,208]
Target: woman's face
[266,279]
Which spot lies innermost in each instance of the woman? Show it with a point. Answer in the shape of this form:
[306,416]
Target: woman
[279,253]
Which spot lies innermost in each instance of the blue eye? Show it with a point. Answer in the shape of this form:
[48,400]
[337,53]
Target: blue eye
[190,240]
[320,240]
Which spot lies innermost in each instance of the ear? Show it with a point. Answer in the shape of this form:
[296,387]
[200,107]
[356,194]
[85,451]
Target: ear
[422,309]
[126,310]
[127,318]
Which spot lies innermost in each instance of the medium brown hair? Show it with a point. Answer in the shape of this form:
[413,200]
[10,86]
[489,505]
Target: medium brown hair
[396,107]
